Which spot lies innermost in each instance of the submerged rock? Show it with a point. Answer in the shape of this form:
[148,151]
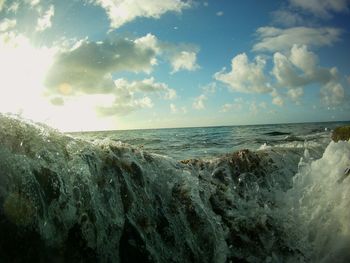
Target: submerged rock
[341,134]
[67,200]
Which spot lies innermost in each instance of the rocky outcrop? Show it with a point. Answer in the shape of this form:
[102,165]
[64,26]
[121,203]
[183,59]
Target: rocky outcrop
[68,200]
[341,134]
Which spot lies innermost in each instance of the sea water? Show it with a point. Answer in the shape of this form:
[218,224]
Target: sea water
[209,142]
[181,195]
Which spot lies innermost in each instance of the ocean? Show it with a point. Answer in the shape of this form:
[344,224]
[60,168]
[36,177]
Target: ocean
[261,193]
[209,142]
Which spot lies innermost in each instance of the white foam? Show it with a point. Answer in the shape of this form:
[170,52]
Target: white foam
[319,203]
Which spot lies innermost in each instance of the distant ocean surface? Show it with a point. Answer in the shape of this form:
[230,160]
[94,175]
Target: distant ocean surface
[208,142]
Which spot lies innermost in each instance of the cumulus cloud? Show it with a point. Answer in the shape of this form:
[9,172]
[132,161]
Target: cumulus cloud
[295,94]
[88,67]
[277,39]
[180,57]
[45,21]
[245,76]
[149,41]
[7,24]
[184,60]
[332,94]
[124,11]
[174,109]
[147,86]
[237,105]
[322,8]
[299,69]
[130,96]
[292,69]
[199,102]
[285,72]
[277,98]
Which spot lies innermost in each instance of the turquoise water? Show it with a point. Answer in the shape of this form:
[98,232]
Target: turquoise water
[207,142]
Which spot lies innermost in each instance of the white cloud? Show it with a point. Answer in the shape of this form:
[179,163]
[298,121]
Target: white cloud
[332,93]
[32,3]
[293,69]
[198,102]
[277,39]
[295,94]
[304,59]
[180,57]
[209,88]
[131,96]
[125,107]
[220,13]
[285,72]
[244,76]
[149,41]
[44,22]
[322,8]
[237,105]
[184,60]
[148,85]
[287,18]
[173,108]
[124,11]
[300,69]
[277,98]
[7,24]
[89,66]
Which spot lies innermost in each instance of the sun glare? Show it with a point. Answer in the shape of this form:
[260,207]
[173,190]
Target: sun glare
[24,68]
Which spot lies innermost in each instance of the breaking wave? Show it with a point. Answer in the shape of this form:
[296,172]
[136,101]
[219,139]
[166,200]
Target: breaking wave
[66,199]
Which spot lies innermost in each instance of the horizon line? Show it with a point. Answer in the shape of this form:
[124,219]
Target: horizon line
[194,127]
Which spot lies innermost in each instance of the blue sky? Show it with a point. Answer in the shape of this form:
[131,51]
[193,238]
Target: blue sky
[104,64]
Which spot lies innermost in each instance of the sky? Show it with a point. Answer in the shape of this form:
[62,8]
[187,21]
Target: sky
[82,65]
